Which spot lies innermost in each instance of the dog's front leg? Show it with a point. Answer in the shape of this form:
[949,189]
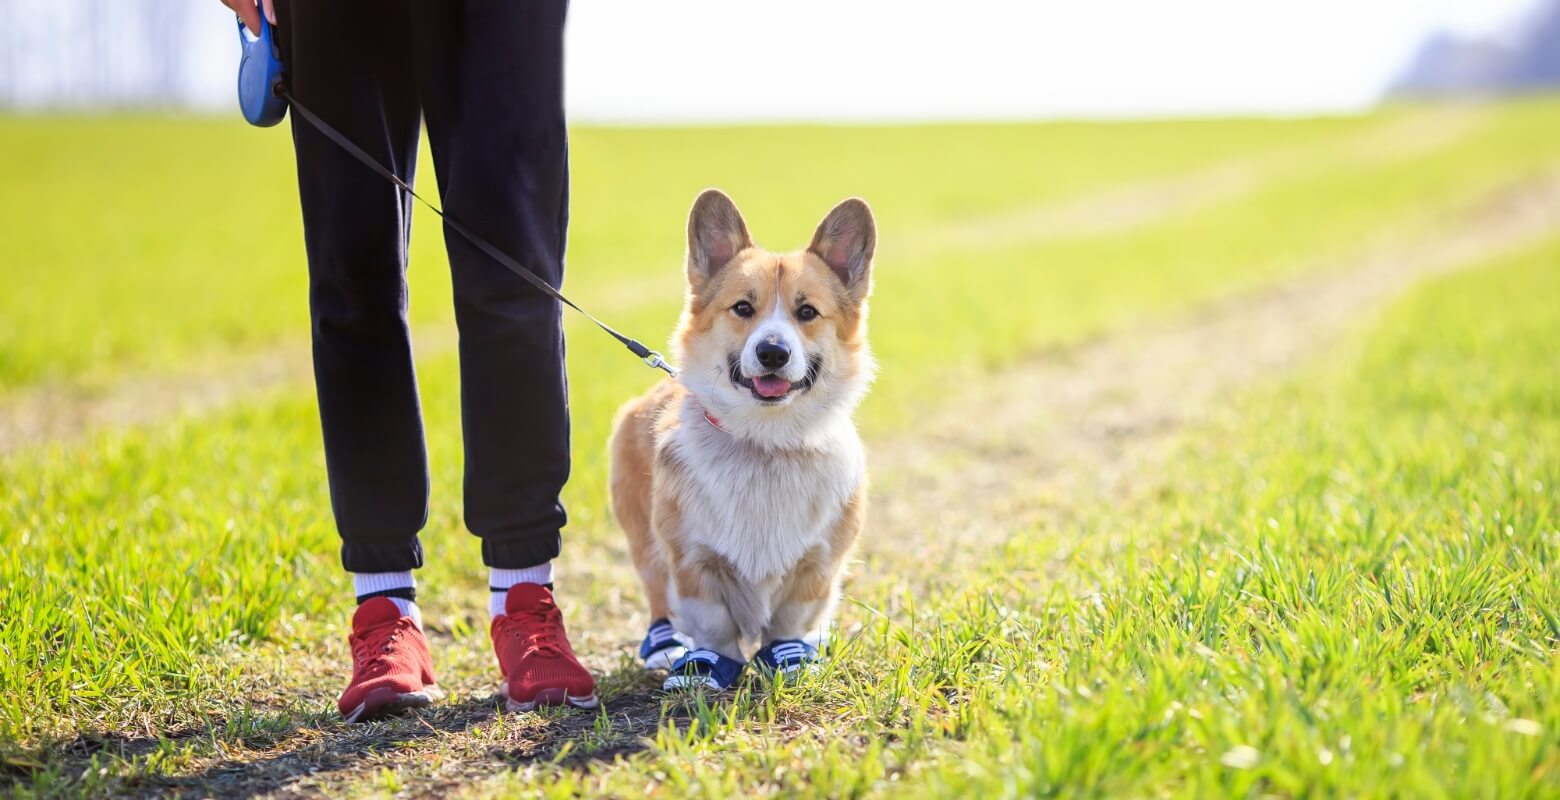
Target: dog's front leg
[709,602]
[796,617]
[802,614]
[710,625]
[805,609]
[702,611]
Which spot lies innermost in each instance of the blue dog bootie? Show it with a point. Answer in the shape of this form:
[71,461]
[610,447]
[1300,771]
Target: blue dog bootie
[787,657]
[704,669]
[661,647]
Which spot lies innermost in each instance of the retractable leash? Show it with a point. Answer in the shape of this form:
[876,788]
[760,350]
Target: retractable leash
[263,97]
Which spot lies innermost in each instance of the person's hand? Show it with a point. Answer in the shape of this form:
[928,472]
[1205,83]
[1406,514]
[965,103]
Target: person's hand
[246,11]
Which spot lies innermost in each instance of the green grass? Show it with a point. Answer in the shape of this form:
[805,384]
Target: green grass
[1349,587]
[1029,298]
[150,571]
[1357,580]
[136,243]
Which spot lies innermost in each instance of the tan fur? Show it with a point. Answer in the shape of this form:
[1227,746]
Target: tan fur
[632,447]
[653,479]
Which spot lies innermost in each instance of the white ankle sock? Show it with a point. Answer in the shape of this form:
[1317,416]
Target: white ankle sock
[499,581]
[373,583]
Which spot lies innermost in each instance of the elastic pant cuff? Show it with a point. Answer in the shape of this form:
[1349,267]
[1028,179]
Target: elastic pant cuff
[382,556]
[521,553]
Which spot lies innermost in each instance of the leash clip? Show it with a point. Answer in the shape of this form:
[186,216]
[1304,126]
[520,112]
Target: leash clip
[655,361]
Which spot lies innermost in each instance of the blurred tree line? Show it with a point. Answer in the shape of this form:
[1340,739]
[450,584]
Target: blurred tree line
[96,52]
[1525,60]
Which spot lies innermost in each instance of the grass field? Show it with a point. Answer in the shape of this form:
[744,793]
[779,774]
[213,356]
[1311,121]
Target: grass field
[213,205]
[1339,578]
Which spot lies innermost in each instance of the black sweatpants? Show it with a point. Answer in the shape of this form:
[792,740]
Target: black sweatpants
[487,76]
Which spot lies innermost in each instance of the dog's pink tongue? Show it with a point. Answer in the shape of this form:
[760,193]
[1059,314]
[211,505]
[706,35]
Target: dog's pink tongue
[771,386]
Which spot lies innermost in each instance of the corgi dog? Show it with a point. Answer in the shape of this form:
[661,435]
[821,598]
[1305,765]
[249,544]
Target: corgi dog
[742,483]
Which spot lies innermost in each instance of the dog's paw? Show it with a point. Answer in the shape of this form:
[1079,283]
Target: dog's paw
[787,657]
[662,647]
[704,669]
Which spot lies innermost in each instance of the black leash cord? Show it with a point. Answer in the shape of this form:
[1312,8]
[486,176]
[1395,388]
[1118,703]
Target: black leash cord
[650,357]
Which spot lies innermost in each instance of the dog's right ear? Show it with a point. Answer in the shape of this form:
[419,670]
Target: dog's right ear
[716,233]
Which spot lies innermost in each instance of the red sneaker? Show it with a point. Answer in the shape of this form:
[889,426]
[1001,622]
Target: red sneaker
[534,654]
[391,669]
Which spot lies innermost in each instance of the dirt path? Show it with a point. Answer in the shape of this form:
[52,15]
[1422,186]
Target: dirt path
[1018,448]
[65,413]
[1145,203]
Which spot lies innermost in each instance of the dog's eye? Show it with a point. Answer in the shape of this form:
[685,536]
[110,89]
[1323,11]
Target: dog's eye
[743,309]
[806,313]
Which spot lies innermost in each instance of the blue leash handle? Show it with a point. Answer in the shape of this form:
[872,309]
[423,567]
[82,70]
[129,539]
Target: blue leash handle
[259,76]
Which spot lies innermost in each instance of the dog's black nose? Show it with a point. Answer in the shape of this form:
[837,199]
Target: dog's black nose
[772,354]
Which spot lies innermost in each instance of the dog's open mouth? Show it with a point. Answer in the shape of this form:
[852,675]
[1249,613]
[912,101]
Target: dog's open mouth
[772,388]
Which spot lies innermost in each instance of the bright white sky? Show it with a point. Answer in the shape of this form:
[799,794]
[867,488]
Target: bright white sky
[870,59]
[731,60]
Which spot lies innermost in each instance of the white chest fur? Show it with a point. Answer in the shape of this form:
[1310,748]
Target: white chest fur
[763,509]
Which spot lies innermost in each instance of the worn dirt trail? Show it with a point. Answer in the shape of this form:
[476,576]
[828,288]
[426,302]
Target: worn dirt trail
[65,413]
[1014,449]
[1006,453]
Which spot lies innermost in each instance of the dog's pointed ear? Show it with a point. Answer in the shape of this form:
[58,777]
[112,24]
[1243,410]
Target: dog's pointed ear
[716,233]
[846,241]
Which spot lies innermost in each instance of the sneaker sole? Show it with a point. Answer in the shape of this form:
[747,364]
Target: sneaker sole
[546,697]
[388,702]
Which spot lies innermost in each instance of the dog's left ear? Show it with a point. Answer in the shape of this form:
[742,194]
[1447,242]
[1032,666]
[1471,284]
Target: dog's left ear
[846,240]
[716,233]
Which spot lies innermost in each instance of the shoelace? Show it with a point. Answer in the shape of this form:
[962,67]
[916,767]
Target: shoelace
[369,651]
[540,627]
